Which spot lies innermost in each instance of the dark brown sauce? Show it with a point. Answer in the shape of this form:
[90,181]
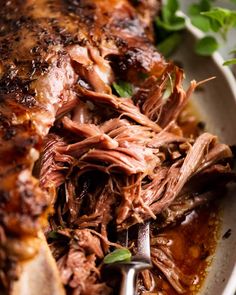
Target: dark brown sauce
[192,244]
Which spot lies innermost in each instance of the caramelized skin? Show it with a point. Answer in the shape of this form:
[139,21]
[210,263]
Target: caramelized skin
[38,40]
[37,77]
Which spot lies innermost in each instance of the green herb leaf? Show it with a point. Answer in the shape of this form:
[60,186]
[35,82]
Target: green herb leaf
[173,6]
[124,89]
[225,18]
[219,14]
[117,256]
[215,25]
[169,88]
[197,8]
[167,46]
[53,235]
[230,62]
[205,5]
[201,22]
[169,21]
[166,14]
[177,23]
[194,9]
[169,10]
[206,46]
[203,16]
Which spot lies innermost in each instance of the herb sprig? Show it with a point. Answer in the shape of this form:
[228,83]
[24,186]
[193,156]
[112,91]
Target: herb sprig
[118,255]
[212,20]
[169,27]
[123,89]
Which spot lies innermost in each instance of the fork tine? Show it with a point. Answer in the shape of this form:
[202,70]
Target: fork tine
[143,242]
[139,262]
[123,238]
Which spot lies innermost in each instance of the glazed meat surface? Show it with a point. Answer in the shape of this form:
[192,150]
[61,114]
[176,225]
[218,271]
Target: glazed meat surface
[73,149]
[43,47]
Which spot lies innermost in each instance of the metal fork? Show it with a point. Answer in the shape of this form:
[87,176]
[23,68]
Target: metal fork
[141,261]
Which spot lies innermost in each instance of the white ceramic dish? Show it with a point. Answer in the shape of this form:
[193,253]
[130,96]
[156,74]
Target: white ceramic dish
[216,105]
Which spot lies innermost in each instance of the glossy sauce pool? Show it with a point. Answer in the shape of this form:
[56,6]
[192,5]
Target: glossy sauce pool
[192,244]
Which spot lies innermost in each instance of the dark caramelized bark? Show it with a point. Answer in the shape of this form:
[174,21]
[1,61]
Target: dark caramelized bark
[37,39]
[35,75]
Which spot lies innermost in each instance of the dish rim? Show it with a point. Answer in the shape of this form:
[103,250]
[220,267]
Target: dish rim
[217,58]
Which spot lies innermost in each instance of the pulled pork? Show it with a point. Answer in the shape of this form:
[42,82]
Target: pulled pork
[112,164]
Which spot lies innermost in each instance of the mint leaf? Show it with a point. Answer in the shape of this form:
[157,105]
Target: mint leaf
[229,62]
[169,21]
[215,25]
[167,46]
[166,14]
[219,14]
[172,6]
[194,9]
[201,22]
[123,89]
[206,46]
[117,256]
[169,10]
[223,19]
[177,23]
[205,5]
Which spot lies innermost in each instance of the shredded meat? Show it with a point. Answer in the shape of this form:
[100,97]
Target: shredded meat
[103,162]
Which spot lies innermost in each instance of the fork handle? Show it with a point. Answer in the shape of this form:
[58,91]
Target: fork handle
[128,286]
